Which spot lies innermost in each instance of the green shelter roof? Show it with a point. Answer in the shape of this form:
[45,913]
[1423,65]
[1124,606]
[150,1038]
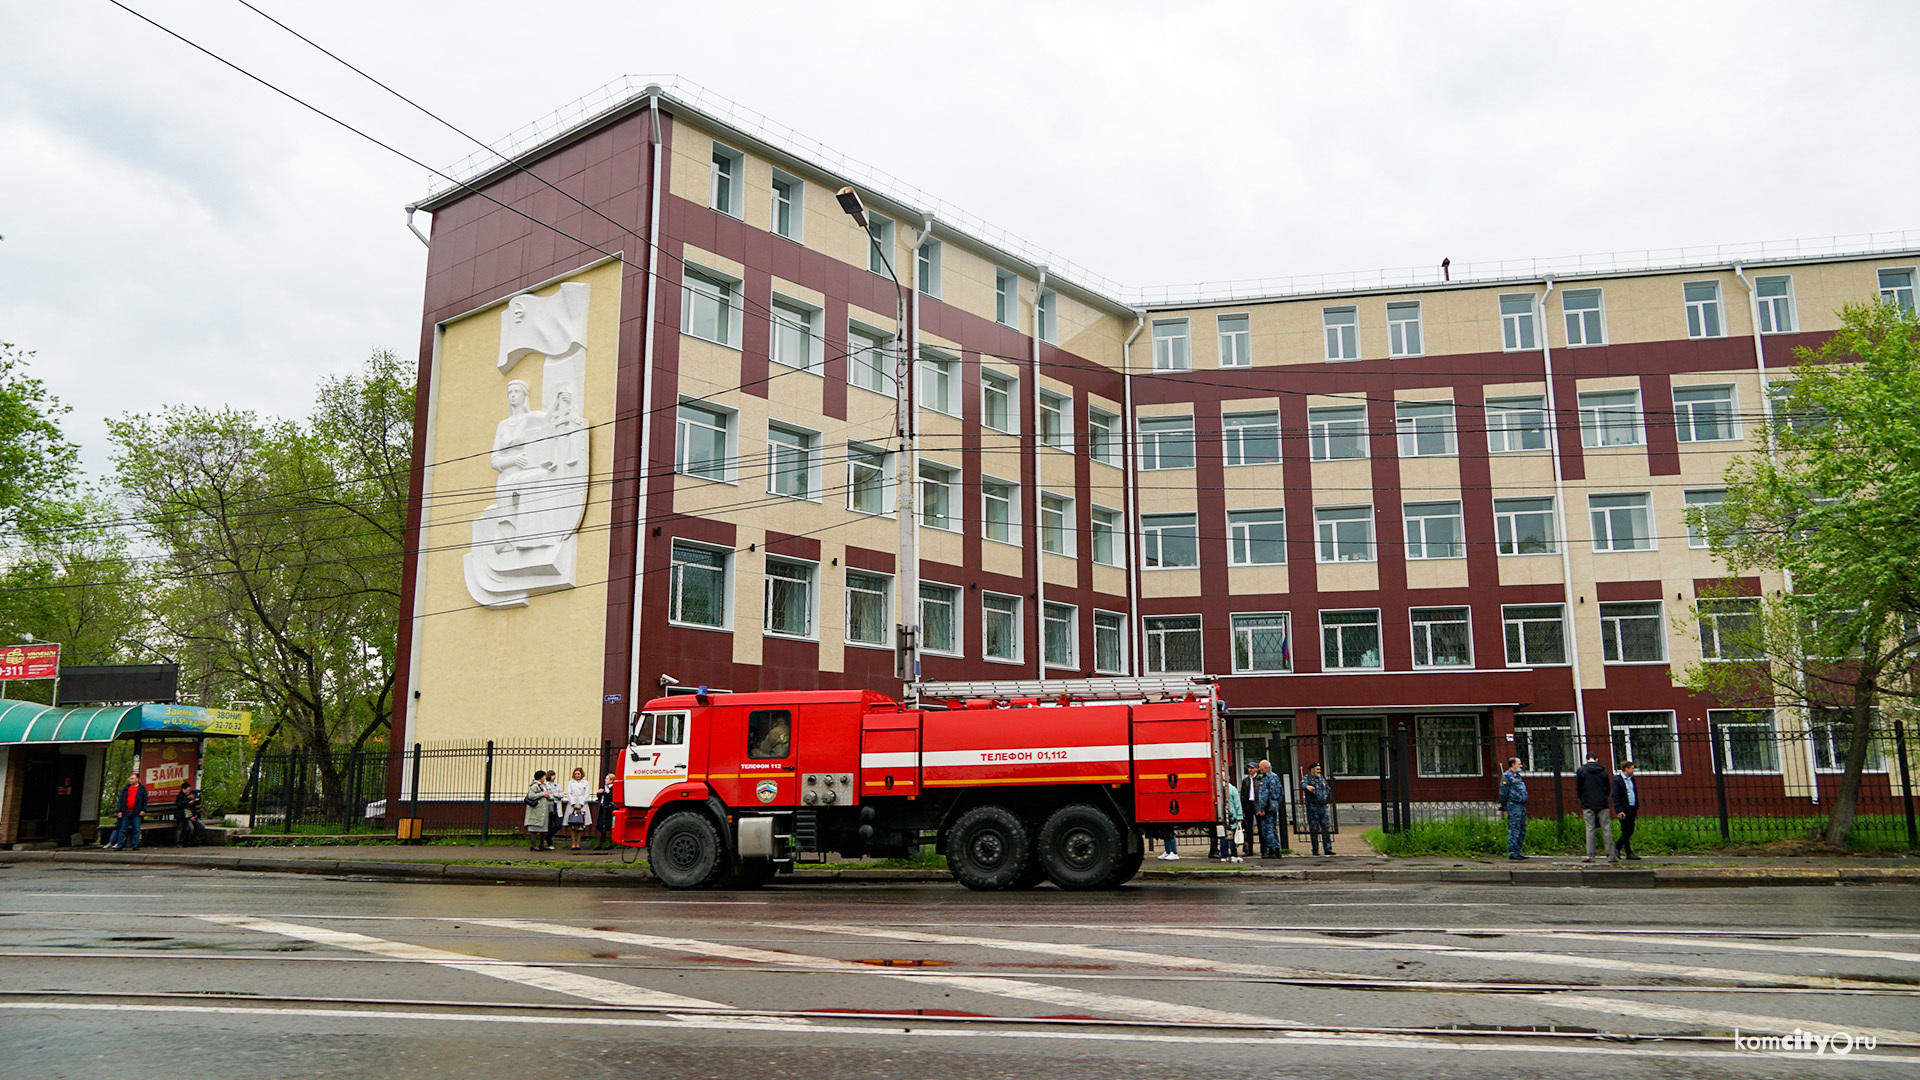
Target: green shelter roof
[31,722]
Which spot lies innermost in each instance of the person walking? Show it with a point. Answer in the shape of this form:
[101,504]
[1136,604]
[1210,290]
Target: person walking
[576,806]
[537,806]
[603,821]
[1316,791]
[1267,808]
[1230,813]
[1626,808]
[132,803]
[1594,786]
[1513,800]
[1249,792]
[187,829]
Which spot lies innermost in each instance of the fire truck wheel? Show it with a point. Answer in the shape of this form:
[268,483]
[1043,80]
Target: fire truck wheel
[1130,864]
[1080,847]
[987,848]
[753,874]
[684,852]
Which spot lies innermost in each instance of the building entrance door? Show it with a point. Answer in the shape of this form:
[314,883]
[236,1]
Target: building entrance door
[50,795]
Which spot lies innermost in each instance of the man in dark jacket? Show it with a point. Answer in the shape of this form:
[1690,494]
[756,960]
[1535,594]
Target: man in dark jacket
[1626,808]
[1316,792]
[1594,786]
[1249,794]
[186,817]
[132,803]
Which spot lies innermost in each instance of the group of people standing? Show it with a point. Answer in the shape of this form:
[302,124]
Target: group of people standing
[132,808]
[1604,799]
[575,808]
[1255,809]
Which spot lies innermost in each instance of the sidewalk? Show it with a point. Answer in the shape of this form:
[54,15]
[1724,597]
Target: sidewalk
[476,863]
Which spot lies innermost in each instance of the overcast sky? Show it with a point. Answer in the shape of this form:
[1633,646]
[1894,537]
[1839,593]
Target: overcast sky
[176,233]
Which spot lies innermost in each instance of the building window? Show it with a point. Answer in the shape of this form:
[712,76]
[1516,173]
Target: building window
[1647,739]
[936,383]
[1702,505]
[1346,533]
[1585,324]
[999,510]
[1172,347]
[1169,540]
[1166,442]
[996,401]
[1256,537]
[1337,433]
[1236,341]
[1000,621]
[1543,742]
[789,598]
[1621,522]
[1524,526]
[1704,414]
[796,335]
[1536,634]
[697,585]
[1442,637]
[937,484]
[1262,643]
[880,230]
[1103,436]
[728,182]
[1403,328]
[869,364]
[1748,741]
[1611,418]
[1343,332]
[869,480]
[1426,428]
[1056,421]
[1353,743]
[1516,322]
[1043,315]
[1516,424]
[707,307]
[1056,525]
[1349,640]
[926,263]
[1435,530]
[1109,642]
[1703,309]
[1006,298]
[1832,731]
[1896,288]
[1107,549]
[789,205]
[1730,628]
[1630,633]
[1775,296]
[701,438]
[1251,438]
[940,618]
[792,460]
[1448,745]
[1173,644]
[1059,635]
[869,613]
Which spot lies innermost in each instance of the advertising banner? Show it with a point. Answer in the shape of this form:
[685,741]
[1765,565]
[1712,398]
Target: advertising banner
[167,767]
[29,662]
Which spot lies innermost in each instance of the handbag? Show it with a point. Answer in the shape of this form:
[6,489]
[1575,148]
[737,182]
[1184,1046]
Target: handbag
[532,799]
[576,818]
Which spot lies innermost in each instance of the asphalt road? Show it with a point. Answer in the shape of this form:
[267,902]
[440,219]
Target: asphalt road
[134,972]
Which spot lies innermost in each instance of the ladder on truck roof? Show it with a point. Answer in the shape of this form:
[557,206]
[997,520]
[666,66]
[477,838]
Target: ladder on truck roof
[1111,689]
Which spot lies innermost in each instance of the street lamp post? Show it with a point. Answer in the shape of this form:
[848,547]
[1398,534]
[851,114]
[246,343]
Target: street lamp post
[907,632]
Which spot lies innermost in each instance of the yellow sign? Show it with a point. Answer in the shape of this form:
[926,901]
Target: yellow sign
[228,722]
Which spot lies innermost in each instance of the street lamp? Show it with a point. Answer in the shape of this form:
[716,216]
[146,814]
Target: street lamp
[907,646]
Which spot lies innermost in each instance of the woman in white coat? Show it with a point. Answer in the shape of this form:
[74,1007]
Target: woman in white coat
[576,807]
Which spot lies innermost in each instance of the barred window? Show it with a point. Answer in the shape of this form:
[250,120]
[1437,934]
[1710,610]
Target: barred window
[697,585]
[1448,745]
[867,607]
[1173,644]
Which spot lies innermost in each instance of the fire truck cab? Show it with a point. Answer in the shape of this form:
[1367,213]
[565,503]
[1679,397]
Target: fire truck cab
[1015,783]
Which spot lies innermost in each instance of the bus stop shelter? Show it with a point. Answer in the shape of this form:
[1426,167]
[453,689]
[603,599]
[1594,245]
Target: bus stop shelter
[53,762]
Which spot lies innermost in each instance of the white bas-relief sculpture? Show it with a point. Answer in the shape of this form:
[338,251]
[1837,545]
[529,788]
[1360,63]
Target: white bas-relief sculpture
[524,543]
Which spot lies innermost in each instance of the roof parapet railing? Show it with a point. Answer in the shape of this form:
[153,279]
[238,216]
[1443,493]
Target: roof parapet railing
[1119,688]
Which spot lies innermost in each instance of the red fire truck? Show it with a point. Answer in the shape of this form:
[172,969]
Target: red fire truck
[1014,782]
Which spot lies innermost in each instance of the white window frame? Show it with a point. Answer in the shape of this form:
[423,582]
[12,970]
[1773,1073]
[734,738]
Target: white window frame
[1831,731]
[1733,722]
[1622,739]
[729,429]
[784,310]
[1607,419]
[1110,625]
[1688,420]
[1155,529]
[1515,619]
[1611,630]
[808,448]
[1330,658]
[793,200]
[767,577]
[1006,297]
[926,267]
[1046,317]
[1519,330]
[1105,527]
[1420,545]
[727,183]
[1453,725]
[1103,436]
[1241,539]
[884,593]
[722,290]
[1159,629]
[1070,625]
[1607,518]
[1172,345]
[945,478]
[860,457]
[1053,422]
[1016,652]
[1157,434]
[879,239]
[1404,334]
[1423,635]
[1236,340]
[1245,656]
[1007,387]
[1537,760]
[1328,541]
[676,584]
[1586,326]
[1776,309]
[1010,511]
[868,341]
[1720,615]
[1235,429]
[1506,525]
[1420,423]
[1057,526]
[1514,422]
[1353,741]
[937,390]
[1705,317]
[1328,423]
[1342,325]
[955,596]
[1697,537]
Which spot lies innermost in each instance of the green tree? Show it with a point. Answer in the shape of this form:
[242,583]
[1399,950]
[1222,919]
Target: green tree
[1834,507]
[38,466]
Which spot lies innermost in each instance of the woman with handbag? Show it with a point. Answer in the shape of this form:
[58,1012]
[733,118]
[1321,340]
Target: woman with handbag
[537,806]
[577,813]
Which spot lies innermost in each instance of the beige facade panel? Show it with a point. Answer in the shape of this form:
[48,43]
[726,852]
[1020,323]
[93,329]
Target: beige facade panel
[1437,574]
[1256,580]
[1530,569]
[1161,584]
[1349,577]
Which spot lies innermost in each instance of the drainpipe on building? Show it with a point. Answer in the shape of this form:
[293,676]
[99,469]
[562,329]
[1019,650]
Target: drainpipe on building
[647,335]
[1561,519]
[1033,440]
[906,501]
[1135,665]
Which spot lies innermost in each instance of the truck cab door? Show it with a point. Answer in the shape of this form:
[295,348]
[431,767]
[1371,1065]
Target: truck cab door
[656,756]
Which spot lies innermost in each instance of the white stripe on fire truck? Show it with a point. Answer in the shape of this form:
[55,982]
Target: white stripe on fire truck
[906,759]
[1169,750]
[1025,755]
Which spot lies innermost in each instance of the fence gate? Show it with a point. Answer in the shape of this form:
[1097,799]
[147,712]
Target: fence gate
[1396,780]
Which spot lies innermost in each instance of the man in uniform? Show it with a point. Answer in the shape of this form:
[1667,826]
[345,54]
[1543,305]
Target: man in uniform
[1316,791]
[1513,800]
[1267,808]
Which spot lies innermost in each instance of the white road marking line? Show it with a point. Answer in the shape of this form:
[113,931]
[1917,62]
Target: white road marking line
[1404,903]
[1063,997]
[93,896]
[1583,1049]
[710,903]
[1752,946]
[1746,1022]
[1601,963]
[573,984]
